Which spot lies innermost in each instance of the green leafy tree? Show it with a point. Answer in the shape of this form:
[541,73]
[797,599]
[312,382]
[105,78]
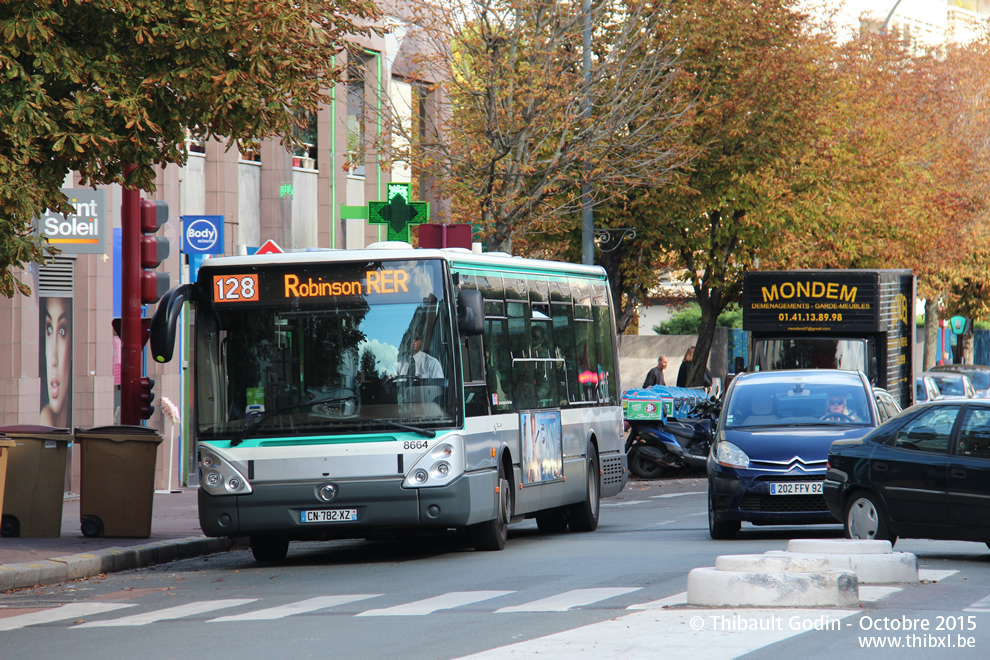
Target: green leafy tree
[94,87]
[688,320]
[754,69]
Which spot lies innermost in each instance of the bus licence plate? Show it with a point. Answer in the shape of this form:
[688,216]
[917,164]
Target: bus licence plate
[797,488]
[329,515]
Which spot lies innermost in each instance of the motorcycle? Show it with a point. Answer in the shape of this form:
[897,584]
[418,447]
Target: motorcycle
[656,447]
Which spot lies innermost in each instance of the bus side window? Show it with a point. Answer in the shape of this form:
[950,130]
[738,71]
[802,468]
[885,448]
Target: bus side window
[607,385]
[520,346]
[584,342]
[563,339]
[475,388]
[499,364]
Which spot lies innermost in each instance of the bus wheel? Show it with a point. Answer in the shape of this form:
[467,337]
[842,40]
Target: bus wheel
[269,548]
[584,515]
[493,534]
[553,521]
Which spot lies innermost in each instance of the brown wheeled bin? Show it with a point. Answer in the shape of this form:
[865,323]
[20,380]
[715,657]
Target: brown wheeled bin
[35,490]
[117,480]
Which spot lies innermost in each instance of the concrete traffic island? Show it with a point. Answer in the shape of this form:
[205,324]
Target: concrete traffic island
[873,562]
[772,581]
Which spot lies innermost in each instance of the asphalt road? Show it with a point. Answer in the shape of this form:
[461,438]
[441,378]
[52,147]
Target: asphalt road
[616,592]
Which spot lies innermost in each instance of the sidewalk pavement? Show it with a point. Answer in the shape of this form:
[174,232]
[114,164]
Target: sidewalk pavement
[175,534]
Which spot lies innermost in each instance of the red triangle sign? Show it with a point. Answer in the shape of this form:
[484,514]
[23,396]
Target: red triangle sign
[270,247]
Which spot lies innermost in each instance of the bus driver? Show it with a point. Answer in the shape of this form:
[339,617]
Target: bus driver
[424,364]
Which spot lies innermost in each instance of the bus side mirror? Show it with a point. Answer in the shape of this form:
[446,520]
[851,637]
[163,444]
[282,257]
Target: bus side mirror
[163,323]
[470,312]
[873,371]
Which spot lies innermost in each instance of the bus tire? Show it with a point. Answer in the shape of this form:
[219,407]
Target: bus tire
[584,515]
[269,548]
[492,534]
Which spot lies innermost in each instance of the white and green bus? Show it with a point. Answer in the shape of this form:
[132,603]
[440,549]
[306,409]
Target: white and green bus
[362,393]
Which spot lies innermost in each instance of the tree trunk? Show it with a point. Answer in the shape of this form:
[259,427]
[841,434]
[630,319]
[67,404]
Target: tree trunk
[710,308]
[931,354]
[966,349]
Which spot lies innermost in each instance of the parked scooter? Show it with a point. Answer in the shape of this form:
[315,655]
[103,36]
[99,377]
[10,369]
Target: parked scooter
[654,448]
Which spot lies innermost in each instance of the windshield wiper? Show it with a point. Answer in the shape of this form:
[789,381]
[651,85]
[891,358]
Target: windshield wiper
[278,411]
[408,427]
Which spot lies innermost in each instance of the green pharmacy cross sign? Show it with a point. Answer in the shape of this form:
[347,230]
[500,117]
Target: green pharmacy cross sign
[399,213]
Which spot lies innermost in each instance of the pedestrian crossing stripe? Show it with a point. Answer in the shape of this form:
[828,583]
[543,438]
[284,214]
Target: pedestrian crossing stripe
[61,613]
[301,607]
[565,601]
[169,613]
[442,602]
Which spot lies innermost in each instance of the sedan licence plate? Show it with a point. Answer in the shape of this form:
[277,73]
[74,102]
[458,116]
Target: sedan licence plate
[797,488]
[328,515]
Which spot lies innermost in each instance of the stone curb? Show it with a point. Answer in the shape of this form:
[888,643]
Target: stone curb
[889,568]
[709,587]
[108,560]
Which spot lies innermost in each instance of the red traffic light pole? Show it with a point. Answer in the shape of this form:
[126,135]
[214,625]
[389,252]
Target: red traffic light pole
[140,285]
[131,330]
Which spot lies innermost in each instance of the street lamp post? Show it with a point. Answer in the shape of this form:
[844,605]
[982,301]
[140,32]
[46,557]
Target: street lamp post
[587,218]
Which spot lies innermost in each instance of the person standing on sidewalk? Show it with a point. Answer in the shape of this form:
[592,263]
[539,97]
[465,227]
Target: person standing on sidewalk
[655,375]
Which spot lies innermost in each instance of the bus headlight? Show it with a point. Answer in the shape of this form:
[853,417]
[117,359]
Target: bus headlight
[439,465]
[220,477]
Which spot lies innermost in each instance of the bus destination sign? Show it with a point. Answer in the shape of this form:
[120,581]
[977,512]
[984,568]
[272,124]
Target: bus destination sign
[308,286]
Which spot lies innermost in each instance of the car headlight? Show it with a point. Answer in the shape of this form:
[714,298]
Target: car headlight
[730,455]
[219,477]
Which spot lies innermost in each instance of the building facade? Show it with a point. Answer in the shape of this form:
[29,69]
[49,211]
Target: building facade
[59,358]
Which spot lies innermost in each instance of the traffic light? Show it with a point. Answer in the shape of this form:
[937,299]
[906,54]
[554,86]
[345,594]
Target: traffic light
[154,250]
[145,397]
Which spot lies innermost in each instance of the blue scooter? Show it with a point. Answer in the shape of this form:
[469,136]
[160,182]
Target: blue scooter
[654,448]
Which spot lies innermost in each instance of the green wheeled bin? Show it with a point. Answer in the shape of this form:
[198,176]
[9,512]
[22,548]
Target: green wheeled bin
[117,480]
[35,490]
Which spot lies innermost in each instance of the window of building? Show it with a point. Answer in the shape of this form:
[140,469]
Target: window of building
[356,115]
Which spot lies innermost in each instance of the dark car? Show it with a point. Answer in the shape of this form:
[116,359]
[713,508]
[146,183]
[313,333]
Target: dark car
[886,405]
[924,473]
[768,461]
[979,374]
[952,384]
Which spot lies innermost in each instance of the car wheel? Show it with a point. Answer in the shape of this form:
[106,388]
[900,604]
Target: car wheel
[720,530]
[865,518]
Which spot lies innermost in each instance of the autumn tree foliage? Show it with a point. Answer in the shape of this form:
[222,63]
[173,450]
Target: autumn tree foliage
[94,86]
[754,71]
[901,172]
[515,144]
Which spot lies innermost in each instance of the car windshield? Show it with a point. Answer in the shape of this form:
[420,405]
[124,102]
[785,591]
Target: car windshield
[797,403]
[950,384]
[981,379]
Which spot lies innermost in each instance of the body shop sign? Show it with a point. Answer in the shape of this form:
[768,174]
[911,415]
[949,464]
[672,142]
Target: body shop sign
[82,232]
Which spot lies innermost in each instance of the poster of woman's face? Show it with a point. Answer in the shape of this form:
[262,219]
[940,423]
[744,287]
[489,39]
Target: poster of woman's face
[55,361]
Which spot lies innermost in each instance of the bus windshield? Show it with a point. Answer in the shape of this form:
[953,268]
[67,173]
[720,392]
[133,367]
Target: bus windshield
[353,360]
